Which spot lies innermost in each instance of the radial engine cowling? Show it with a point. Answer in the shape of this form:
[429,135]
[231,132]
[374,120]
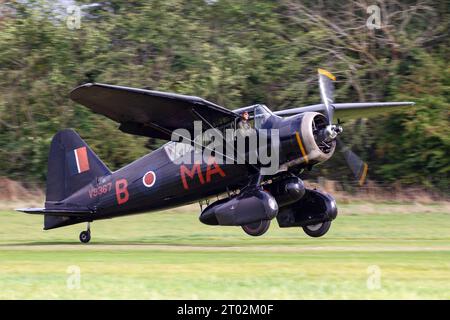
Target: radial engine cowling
[248,207]
[302,140]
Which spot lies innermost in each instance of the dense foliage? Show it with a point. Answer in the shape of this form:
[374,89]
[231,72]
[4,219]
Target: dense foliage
[234,53]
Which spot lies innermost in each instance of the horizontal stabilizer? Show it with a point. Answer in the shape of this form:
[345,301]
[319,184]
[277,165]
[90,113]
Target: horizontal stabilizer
[57,213]
[60,217]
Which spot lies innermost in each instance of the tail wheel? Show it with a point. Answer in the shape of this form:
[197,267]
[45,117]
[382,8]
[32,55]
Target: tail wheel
[256,229]
[317,230]
[85,236]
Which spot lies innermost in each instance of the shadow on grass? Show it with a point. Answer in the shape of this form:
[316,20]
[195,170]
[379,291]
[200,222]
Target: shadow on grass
[211,242]
[123,243]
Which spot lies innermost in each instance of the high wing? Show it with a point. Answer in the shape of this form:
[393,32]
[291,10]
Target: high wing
[345,111]
[150,113]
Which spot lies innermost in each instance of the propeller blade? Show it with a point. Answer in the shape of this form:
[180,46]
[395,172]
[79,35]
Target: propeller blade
[326,92]
[356,165]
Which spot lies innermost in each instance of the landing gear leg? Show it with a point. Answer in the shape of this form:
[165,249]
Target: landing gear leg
[85,236]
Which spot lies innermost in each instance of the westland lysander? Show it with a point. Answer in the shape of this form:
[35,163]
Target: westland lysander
[81,188]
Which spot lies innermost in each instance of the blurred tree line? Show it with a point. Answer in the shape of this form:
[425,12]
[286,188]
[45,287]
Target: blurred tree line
[234,53]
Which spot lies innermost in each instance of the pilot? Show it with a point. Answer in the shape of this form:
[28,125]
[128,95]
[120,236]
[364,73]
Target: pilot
[244,126]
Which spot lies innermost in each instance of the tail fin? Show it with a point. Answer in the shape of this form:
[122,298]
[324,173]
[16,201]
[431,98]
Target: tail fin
[71,166]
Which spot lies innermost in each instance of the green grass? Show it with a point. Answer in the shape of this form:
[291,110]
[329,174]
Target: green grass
[171,255]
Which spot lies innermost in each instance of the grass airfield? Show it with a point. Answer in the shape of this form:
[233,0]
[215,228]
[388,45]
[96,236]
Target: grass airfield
[373,251]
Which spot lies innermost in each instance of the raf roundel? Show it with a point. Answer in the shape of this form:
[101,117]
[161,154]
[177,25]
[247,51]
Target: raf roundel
[149,179]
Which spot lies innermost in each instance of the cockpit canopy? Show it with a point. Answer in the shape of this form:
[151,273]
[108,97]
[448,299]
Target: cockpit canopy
[258,112]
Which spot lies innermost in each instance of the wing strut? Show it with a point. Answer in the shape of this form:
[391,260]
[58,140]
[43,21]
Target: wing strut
[225,140]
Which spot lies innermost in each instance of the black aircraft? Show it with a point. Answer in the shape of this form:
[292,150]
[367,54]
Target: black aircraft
[81,188]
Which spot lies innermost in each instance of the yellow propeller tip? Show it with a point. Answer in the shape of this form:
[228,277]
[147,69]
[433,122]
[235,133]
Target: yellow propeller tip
[362,179]
[327,74]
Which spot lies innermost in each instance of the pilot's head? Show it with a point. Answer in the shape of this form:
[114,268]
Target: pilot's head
[245,115]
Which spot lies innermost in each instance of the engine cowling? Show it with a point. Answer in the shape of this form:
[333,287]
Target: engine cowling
[302,142]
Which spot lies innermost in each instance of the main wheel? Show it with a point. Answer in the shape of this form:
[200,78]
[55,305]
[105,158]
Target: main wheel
[317,230]
[85,236]
[256,229]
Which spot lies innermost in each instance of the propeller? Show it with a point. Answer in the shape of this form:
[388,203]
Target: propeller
[358,167]
[331,132]
[326,94]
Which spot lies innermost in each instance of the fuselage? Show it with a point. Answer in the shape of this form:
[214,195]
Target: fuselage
[155,182]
